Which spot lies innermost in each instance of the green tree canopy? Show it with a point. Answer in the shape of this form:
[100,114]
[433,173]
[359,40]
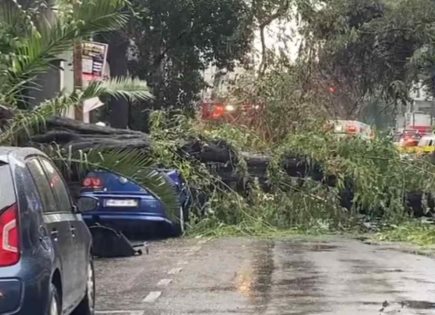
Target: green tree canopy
[368,47]
[169,43]
[176,40]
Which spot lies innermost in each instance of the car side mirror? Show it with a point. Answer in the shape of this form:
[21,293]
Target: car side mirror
[86,204]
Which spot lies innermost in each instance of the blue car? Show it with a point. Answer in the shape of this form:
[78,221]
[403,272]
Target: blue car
[132,209]
[46,265]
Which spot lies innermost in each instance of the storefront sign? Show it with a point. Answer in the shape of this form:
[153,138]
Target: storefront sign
[94,61]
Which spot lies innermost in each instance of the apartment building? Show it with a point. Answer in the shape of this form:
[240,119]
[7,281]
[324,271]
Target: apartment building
[60,79]
[421,108]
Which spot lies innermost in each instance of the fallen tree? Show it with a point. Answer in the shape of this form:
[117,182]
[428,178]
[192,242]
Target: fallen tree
[81,136]
[236,170]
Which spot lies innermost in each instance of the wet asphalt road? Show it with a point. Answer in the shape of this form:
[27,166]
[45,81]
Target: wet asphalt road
[249,276]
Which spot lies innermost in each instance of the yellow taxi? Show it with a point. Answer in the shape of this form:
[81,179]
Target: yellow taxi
[407,141]
[426,145]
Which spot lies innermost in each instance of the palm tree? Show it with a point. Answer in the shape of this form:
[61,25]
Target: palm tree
[30,44]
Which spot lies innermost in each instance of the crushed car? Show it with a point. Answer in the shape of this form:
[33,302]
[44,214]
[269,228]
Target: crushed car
[127,207]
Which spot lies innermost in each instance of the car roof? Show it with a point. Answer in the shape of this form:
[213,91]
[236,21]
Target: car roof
[425,137]
[17,153]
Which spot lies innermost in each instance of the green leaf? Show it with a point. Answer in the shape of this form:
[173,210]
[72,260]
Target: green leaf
[26,123]
[128,88]
[41,47]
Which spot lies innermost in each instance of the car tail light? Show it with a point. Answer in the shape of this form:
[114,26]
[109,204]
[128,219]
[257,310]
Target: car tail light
[92,183]
[218,112]
[352,129]
[9,237]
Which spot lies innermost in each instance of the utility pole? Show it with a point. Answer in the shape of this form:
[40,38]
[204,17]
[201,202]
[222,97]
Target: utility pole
[78,78]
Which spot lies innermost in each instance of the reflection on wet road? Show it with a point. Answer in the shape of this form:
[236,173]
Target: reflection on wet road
[243,276]
[350,278]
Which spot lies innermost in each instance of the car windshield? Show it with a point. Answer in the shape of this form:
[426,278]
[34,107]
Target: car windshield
[410,133]
[7,191]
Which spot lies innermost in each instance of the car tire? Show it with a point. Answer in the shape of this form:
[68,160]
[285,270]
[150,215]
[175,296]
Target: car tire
[180,226]
[87,305]
[54,305]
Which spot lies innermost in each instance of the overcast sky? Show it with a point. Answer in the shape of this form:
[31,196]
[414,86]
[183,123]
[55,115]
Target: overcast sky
[280,36]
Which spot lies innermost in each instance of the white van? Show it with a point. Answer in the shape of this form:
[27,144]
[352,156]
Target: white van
[353,128]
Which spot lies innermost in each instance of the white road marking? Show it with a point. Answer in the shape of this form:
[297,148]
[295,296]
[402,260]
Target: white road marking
[120,312]
[182,263]
[175,271]
[164,282]
[152,296]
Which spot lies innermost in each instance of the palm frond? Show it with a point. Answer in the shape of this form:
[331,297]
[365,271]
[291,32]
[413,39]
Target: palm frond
[26,123]
[130,163]
[128,88]
[13,17]
[101,15]
[42,47]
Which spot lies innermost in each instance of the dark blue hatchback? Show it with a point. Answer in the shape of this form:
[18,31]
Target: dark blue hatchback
[132,209]
[45,262]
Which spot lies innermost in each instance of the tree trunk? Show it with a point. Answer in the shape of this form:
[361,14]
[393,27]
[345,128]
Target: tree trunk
[78,77]
[80,136]
[118,61]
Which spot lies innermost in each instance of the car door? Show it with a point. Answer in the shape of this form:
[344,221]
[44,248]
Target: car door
[78,230]
[58,228]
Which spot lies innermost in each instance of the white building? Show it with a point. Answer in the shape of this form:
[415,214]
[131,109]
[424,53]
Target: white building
[281,37]
[422,99]
[421,108]
[60,80]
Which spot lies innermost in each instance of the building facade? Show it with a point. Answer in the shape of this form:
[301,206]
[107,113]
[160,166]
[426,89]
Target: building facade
[420,110]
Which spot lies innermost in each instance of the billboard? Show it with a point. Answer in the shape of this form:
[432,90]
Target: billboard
[94,61]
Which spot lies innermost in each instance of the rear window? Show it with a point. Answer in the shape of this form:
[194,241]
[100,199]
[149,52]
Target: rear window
[41,182]
[7,192]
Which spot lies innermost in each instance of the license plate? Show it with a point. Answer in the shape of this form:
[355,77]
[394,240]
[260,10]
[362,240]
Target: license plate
[127,203]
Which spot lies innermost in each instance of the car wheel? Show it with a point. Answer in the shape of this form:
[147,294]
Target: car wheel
[87,305]
[179,227]
[54,304]
[182,222]
[186,215]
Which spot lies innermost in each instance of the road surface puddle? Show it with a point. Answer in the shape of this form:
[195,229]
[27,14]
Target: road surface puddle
[400,307]
[419,305]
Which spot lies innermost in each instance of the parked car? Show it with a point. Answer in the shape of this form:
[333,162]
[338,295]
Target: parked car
[407,141]
[426,145]
[132,209]
[45,262]
[351,128]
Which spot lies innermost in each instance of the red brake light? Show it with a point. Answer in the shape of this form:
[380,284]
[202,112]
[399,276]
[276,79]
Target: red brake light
[9,237]
[218,112]
[87,182]
[92,183]
[352,129]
